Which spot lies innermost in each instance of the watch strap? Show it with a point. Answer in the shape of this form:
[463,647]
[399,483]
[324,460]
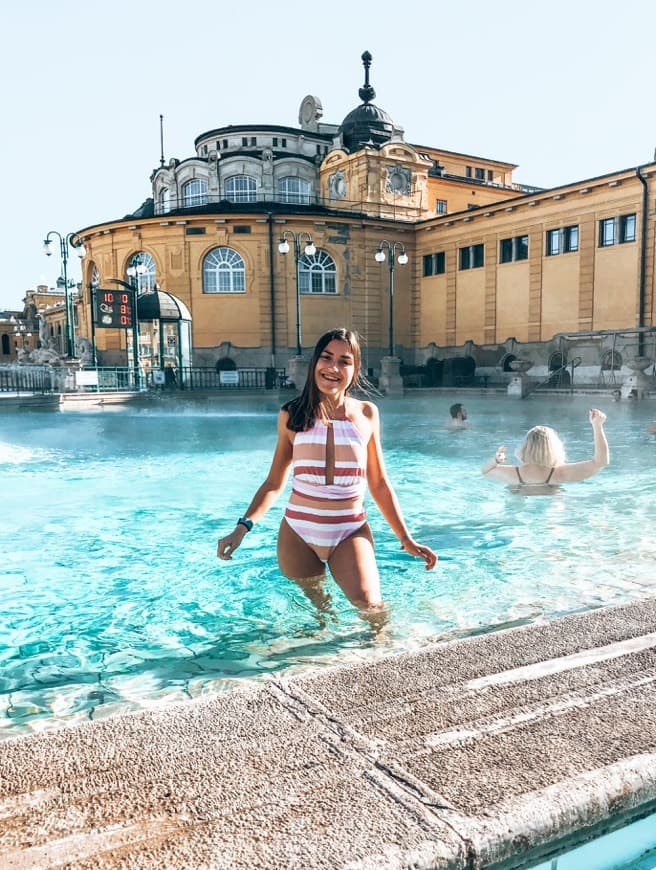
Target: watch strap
[244,521]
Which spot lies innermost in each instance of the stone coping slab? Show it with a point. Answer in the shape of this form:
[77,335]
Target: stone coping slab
[492,751]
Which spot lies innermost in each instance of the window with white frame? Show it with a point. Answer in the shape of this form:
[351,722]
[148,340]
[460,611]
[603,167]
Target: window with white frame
[472,257]
[617,230]
[513,249]
[141,272]
[240,188]
[440,206]
[194,192]
[224,272]
[317,274]
[564,240]
[164,199]
[292,189]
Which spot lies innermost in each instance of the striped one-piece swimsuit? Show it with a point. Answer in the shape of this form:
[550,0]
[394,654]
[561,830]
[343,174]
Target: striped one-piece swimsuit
[324,514]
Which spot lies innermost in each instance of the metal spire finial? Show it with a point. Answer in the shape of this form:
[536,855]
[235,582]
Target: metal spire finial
[366,92]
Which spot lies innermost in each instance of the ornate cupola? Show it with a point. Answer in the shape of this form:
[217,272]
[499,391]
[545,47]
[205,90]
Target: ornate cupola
[366,125]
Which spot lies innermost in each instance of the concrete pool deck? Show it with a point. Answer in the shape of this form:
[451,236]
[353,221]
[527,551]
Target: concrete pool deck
[483,752]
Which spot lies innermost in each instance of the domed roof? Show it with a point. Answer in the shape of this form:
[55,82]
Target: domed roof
[367,124]
[160,305]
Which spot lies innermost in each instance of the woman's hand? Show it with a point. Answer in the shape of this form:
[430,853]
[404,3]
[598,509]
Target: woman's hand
[227,546]
[597,416]
[500,455]
[414,549]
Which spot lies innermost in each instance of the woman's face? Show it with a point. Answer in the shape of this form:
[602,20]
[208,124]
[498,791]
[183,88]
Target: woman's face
[335,368]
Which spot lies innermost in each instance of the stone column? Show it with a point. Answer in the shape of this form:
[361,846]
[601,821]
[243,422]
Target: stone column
[519,383]
[297,369]
[637,385]
[390,382]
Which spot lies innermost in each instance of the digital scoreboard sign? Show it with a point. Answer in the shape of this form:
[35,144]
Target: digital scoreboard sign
[112,309]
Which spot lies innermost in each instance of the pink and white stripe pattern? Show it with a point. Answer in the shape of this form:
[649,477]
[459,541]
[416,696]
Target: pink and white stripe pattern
[324,514]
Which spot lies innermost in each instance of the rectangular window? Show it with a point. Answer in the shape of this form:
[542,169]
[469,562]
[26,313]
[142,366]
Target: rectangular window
[241,228]
[479,174]
[472,257]
[607,232]
[553,243]
[244,141]
[468,171]
[570,239]
[506,250]
[253,140]
[434,264]
[194,231]
[283,142]
[617,230]
[440,206]
[490,175]
[627,228]
[562,241]
[275,141]
[225,143]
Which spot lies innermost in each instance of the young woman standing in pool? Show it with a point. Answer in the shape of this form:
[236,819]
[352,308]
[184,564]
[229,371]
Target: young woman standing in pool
[542,457]
[332,442]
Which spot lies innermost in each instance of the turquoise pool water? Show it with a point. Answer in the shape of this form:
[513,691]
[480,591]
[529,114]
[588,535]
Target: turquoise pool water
[630,848]
[111,596]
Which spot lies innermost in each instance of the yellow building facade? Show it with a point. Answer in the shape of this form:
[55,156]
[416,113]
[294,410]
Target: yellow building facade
[493,266]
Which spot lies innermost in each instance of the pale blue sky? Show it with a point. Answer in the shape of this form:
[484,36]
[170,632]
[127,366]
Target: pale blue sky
[564,89]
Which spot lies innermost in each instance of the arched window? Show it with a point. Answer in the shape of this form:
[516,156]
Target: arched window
[164,199]
[611,361]
[194,192]
[224,272]
[317,274]
[291,189]
[240,188]
[141,272]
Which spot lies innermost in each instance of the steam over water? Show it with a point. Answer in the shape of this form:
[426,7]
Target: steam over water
[111,596]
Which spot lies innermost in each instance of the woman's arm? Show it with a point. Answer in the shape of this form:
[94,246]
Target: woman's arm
[383,494]
[495,468]
[268,492]
[575,471]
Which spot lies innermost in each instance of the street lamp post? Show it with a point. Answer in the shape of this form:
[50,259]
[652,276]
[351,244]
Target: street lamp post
[391,257]
[73,241]
[309,250]
[20,331]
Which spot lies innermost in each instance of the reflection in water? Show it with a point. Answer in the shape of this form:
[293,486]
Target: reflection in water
[111,596]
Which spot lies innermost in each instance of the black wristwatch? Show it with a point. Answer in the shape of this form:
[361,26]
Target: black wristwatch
[244,521]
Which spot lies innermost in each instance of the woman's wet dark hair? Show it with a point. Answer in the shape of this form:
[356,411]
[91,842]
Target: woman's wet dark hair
[304,408]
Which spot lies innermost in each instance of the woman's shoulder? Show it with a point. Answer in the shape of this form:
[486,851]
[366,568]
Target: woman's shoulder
[363,408]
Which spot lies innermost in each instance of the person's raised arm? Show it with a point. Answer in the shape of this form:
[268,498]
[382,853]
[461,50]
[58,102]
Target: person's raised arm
[267,493]
[575,471]
[383,494]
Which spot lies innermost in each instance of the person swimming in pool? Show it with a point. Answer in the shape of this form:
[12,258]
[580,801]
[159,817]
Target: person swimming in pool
[332,442]
[542,456]
[458,417]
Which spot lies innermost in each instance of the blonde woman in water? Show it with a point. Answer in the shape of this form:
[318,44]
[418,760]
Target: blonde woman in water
[542,460]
